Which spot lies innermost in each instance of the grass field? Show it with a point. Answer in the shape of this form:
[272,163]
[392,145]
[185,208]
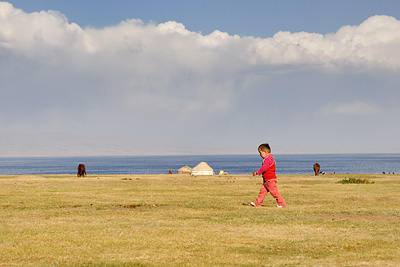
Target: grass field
[175,220]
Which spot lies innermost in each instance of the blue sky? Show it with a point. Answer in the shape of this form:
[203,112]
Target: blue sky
[261,18]
[198,77]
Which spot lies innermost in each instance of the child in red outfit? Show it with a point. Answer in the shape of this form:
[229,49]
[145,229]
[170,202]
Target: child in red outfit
[269,178]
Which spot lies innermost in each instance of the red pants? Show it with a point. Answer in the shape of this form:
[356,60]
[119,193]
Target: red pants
[270,186]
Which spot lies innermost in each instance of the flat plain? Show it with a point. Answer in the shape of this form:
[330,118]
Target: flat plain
[181,220]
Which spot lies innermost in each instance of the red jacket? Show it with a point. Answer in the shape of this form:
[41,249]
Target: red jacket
[268,168]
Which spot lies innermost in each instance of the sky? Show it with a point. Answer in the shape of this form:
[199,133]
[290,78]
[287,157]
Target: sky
[175,77]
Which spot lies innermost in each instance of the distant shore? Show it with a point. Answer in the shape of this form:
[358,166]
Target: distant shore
[163,175]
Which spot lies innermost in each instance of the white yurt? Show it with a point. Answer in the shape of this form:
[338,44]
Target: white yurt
[202,169]
[185,170]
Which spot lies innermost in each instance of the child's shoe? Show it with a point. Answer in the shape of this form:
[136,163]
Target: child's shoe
[253,204]
[279,206]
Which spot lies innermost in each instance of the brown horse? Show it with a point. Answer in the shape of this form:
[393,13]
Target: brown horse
[316,168]
[81,170]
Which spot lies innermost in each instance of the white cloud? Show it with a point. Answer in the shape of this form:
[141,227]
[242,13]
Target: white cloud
[372,44]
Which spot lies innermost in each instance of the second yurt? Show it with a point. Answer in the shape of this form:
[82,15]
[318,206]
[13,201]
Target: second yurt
[185,170]
[202,169]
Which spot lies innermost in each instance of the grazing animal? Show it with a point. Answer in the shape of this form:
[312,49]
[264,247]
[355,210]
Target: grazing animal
[81,170]
[316,168]
[170,171]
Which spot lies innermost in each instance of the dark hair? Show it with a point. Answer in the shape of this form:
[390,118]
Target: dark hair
[264,147]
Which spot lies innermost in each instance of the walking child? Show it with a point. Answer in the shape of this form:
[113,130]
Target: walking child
[269,178]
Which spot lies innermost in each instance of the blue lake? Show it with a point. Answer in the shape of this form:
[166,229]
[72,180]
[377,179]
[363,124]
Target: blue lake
[233,164]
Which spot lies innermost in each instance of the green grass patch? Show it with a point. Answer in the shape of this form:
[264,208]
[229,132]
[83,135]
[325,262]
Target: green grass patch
[175,220]
[353,180]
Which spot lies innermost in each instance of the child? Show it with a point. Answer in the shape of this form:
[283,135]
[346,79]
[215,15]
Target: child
[269,178]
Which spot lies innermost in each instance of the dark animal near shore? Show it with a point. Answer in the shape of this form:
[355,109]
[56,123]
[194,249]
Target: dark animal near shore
[316,168]
[81,170]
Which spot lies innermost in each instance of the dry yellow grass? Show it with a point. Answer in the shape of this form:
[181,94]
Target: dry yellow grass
[175,220]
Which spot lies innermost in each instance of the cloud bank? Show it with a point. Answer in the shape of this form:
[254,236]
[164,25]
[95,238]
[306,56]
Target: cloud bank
[136,88]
